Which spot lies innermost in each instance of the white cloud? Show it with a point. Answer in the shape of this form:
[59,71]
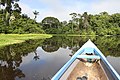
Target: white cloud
[26,9]
[110,6]
[57,9]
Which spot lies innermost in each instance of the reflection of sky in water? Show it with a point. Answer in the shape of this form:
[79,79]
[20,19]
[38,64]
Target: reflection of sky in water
[115,62]
[46,66]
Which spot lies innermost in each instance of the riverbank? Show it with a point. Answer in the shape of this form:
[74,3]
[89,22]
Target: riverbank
[7,39]
[79,35]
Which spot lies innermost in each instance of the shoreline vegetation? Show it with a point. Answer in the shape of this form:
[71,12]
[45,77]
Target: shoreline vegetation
[88,24]
[80,35]
[19,27]
[8,39]
[13,22]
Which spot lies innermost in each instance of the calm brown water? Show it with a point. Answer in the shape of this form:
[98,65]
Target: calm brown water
[41,59]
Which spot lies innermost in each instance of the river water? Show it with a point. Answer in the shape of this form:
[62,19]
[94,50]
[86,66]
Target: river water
[41,59]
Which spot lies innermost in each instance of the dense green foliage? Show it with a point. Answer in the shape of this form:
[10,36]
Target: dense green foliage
[10,7]
[22,24]
[51,25]
[12,21]
[84,24]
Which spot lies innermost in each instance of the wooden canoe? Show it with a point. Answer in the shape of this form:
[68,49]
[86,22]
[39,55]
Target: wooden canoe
[88,63]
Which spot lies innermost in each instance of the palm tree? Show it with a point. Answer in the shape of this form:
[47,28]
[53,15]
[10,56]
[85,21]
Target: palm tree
[36,57]
[35,13]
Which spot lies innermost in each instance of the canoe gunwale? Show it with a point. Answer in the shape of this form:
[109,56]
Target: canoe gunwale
[69,70]
[108,65]
[66,66]
[88,44]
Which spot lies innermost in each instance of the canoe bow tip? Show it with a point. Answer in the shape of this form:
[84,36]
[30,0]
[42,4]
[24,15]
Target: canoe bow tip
[89,40]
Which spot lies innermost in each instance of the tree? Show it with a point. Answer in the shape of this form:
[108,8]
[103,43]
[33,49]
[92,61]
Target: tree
[24,16]
[8,9]
[85,20]
[35,13]
[25,25]
[50,24]
[74,15]
[76,20]
[16,11]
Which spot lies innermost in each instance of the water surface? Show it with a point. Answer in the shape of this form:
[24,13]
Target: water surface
[41,59]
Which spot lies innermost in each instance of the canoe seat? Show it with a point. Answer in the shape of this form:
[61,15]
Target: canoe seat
[89,51]
[88,56]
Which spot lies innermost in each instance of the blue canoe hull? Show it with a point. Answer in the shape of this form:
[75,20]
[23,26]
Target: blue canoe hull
[89,47]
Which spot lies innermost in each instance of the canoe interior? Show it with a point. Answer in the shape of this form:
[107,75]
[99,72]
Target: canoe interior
[93,71]
[108,72]
[75,68]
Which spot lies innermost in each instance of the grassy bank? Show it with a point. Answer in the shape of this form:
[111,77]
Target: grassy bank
[7,39]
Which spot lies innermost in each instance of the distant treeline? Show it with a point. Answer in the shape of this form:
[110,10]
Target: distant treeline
[12,21]
[84,24]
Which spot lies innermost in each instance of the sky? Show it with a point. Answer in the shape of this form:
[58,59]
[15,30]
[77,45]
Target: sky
[62,8]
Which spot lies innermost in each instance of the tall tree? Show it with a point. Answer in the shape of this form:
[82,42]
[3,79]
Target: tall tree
[85,20]
[15,12]
[35,13]
[74,15]
[50,23]
[76,20]
[8,9]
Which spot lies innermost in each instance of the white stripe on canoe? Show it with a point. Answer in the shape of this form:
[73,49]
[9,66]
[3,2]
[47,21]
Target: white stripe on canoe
[88,56]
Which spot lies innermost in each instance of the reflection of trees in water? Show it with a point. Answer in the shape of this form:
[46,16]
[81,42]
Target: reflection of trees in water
[11,58]
[9,72]
[108,45]
[36,57]
[50,45]
[54,43]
